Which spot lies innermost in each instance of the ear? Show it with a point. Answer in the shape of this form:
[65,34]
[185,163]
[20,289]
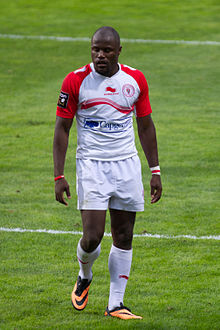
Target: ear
[120,49]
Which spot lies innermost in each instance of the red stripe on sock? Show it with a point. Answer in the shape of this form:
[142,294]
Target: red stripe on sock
[123,276]
[84,263]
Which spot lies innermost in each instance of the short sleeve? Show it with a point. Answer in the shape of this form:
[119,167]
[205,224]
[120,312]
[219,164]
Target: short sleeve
[143,107]
[68,98]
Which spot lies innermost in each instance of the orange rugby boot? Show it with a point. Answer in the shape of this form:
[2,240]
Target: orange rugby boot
[80,293]
[122,312]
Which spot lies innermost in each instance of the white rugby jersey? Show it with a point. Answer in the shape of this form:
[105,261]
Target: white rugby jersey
[104,108]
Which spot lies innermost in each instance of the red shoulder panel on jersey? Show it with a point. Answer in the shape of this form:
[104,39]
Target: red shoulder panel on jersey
[69,94]
[143,107]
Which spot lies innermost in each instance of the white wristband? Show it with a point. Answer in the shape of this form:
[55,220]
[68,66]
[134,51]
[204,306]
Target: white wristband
[155,170]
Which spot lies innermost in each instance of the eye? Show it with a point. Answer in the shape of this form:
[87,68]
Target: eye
[95,49]
[108,50]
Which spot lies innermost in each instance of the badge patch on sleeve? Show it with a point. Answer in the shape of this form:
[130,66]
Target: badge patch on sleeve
[63,100]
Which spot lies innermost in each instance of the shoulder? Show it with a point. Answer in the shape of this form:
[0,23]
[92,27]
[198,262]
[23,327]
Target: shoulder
[83,72]
[78,75]
[135,73]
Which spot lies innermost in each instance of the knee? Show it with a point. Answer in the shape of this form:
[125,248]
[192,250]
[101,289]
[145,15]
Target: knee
[90,241]
[122,240]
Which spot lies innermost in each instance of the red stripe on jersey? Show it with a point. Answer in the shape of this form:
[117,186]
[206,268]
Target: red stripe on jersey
[98,101]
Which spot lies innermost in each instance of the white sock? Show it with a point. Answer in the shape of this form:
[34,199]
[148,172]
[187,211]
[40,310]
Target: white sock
[119,265]
[86,261]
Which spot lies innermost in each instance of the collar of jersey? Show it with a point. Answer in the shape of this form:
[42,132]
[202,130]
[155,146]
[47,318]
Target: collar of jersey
[100,75]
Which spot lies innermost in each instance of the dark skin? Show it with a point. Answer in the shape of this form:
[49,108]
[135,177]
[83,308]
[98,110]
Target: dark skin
[105,50]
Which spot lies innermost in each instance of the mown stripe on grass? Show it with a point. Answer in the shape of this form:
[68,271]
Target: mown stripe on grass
[51,231]
[86,39]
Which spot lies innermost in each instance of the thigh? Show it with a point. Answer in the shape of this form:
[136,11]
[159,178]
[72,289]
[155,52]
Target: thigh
[122,225]
[94,184]
[93,228]
[129,193]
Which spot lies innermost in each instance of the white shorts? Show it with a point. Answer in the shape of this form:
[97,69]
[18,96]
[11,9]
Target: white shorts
[110,184]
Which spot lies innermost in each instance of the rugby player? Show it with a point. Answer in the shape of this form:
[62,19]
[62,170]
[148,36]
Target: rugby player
[103,96]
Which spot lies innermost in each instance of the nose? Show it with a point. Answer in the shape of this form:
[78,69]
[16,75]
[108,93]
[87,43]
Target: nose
[101,54]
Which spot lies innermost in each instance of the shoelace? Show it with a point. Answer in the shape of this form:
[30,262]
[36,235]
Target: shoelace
[80,286]
[121,307]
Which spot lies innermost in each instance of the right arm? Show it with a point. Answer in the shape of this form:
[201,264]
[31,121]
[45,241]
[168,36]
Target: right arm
[60,144]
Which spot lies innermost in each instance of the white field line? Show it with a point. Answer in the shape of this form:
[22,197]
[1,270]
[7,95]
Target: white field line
[86,39]
[50,231]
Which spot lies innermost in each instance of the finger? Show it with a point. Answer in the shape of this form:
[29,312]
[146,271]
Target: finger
[152,190]
[154,199]
[61,199]
[68,192]
[64,202]
[156,196]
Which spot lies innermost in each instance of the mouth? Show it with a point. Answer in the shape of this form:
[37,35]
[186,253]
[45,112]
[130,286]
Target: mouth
[102,67]
[101,64]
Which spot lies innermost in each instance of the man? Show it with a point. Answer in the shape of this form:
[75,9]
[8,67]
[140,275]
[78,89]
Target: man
[103,96]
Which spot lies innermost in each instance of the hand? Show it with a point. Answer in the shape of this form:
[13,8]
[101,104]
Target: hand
[156,188]
[61,186]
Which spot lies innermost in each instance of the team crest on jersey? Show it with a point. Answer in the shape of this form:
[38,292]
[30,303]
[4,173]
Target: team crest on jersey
[63,100]
[128,90]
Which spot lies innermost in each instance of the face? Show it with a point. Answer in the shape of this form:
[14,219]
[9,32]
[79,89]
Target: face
[105,52]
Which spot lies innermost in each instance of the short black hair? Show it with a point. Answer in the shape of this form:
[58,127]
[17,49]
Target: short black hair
[106,30]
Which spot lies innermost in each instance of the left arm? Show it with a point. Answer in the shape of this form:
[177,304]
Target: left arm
[147,136]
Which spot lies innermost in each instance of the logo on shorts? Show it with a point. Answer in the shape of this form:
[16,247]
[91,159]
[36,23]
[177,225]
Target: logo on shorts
[128,90]
[63,100]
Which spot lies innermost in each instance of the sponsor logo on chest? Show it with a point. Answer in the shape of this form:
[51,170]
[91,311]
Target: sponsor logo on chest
[111,91]
[105,126]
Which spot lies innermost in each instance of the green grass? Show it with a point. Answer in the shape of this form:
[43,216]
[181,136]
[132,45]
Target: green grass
[173,283]
[179,292]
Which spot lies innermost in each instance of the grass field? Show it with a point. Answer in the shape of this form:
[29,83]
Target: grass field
[174,283]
